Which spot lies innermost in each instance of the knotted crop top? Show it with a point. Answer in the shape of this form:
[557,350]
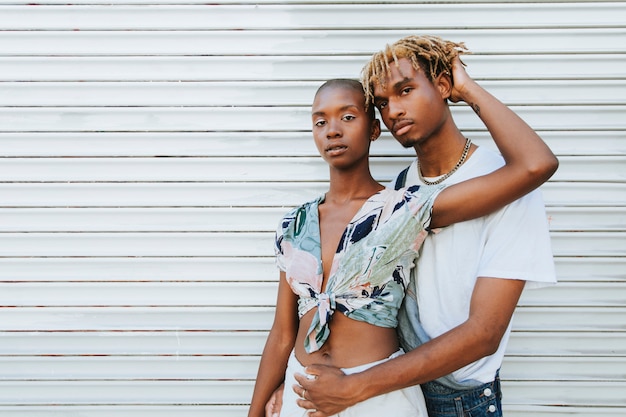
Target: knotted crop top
[372,263]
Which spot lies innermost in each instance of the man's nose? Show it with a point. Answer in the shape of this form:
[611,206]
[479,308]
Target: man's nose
[395,108]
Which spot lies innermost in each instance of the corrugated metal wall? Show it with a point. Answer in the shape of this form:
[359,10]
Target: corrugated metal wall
[148,148]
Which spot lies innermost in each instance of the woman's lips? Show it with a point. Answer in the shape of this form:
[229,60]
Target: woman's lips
[335,150]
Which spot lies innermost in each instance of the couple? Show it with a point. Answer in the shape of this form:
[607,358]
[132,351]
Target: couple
[361,321]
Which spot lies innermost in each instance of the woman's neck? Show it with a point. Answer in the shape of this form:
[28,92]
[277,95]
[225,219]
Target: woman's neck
[345,188]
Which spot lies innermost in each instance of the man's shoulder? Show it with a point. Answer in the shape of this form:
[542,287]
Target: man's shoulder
[483,161]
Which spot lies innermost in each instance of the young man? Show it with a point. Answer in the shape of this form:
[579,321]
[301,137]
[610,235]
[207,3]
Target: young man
[455,322]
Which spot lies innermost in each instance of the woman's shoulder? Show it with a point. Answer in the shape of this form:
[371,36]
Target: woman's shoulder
[299,213]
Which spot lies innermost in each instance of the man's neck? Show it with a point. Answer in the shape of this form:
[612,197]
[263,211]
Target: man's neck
[439,157]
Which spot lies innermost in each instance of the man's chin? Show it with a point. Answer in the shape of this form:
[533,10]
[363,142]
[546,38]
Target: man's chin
[406,142]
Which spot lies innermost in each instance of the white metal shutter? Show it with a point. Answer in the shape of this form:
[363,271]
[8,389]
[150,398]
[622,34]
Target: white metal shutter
[149,147]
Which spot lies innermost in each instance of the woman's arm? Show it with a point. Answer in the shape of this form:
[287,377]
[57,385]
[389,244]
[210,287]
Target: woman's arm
[278,346]
[529,161]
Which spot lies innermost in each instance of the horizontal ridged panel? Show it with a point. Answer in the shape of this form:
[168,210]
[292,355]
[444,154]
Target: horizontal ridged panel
[591,269]
[141,219]
[227,294]
[237,392]
[330,16]
[170,343]
[571,319]
[302,42]
[129,368]
[560,343]
[240,411]
[138,269]
[180,410]
[252,294]
[182,244]
[572,368]
[610,294]
[234,244]
[136,318]
[244,368]
[231,169]
[239,219]
[150,145]
[185,144]
[138,194]
[588,243]
[559,410]
[573,393]
[203,2]
[297,68]
[139,392]
[586,218]
[109,269]
[237,119]
[275,93]
[182,342]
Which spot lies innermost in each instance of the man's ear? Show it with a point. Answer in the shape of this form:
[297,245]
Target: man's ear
[443,82]
[375,130]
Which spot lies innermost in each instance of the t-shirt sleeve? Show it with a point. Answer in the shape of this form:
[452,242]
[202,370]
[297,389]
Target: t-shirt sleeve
[517,243]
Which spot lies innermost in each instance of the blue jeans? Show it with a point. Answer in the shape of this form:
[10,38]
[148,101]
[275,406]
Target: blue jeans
[481,401]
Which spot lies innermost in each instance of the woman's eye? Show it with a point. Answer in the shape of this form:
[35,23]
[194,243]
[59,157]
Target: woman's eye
[320,123]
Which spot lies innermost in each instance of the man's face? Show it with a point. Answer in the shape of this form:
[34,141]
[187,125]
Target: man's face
[410,104]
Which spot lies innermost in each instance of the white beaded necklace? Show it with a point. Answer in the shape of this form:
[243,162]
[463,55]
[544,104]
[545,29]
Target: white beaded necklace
[468,143]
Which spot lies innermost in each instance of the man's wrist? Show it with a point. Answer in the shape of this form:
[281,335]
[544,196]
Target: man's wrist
[358,385]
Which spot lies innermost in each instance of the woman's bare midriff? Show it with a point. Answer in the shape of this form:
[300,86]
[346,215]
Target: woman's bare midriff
[351,343]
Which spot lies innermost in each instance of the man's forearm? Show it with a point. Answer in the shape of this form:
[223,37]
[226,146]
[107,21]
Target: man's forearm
[447,353]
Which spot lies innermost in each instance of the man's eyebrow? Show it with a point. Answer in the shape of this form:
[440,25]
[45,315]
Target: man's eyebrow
[401,83]
[397,86]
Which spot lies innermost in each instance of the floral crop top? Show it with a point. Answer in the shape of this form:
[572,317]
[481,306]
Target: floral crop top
[371,265]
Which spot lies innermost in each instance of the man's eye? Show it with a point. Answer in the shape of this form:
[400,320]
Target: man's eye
[381,105]
[349,117]
[406,90]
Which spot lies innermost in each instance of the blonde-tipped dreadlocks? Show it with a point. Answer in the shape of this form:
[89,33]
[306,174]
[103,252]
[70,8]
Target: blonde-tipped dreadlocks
[428,53]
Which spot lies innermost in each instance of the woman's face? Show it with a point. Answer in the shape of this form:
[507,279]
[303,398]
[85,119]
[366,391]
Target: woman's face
[342,129]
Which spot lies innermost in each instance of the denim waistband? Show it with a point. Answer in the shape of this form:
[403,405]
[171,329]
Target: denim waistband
[479,401]
[470,393]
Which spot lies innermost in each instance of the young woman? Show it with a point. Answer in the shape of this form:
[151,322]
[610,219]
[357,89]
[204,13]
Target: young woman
[350,251]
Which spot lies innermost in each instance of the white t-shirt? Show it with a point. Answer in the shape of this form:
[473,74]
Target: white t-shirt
[512,243]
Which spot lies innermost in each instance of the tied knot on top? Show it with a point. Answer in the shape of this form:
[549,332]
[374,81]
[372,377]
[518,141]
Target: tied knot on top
[326,306]
[319,331]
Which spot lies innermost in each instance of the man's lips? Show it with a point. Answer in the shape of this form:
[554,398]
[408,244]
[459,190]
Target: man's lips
[401,127]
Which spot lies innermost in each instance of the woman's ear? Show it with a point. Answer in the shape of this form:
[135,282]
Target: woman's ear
[443,82]
[375,130]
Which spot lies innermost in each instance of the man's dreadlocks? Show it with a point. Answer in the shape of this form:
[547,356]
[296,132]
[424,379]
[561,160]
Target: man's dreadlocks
[428,53]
